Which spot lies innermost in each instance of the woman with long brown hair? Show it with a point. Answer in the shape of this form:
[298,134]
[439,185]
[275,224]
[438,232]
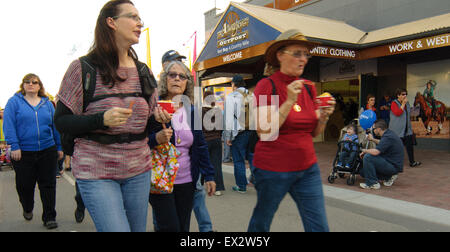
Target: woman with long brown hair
[35,147]
[111,159]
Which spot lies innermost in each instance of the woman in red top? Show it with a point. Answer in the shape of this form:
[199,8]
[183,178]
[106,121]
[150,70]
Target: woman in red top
[285,158]
[371,103]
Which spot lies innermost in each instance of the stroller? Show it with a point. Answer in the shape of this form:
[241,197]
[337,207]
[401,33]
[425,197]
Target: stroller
[5,160]
[355,165]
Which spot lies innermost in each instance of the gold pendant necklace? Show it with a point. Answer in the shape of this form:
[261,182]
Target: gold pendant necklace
[297,108]
[178,140]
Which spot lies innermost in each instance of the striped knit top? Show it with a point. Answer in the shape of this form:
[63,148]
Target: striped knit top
[92,160]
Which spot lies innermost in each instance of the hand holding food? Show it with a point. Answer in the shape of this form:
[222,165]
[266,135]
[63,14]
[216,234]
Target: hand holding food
[167,106]
[324,100]
[116,117]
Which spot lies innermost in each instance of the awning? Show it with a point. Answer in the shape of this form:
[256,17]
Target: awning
[423,26]
[245,31]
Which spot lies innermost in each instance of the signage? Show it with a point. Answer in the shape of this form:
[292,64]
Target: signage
[232,30]
[407,46]
[286,4]
[420,44]
[247,53]
[333,52]
[235,33]
[239,36]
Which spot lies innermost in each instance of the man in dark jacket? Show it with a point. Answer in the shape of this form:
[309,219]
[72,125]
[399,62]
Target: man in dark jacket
[385,161]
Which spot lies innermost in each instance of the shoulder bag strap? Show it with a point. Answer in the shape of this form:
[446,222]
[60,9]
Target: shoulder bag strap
[148,81]
[89,78]
[308,88]
[274,90]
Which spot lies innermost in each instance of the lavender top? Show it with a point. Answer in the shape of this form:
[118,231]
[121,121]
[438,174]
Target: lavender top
[183,141]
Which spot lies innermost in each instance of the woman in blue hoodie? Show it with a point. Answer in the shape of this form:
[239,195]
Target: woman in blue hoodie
[35,147]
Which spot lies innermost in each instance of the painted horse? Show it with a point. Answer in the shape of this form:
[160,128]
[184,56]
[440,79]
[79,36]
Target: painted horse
[427,115]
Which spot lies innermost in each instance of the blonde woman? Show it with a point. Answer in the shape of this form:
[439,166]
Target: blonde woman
[35,147]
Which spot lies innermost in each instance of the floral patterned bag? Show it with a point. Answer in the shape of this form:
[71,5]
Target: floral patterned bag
[165,167]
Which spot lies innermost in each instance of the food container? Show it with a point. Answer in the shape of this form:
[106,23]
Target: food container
[167,106]
[323,100]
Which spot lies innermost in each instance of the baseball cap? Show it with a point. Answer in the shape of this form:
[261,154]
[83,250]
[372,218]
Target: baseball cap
[238,80]
[171,55]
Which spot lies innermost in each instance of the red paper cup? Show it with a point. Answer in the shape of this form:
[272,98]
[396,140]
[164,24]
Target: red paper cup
[323,101]
[167,106]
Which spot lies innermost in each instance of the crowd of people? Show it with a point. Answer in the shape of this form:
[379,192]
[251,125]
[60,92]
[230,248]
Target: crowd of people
[107,119]
[383,161]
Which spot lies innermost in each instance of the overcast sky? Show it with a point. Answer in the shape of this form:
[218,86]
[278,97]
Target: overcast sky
[44,37]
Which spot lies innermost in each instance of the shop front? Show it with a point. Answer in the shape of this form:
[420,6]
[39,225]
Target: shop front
[349,63]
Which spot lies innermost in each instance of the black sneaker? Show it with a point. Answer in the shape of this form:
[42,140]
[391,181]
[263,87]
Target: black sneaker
[79,215]
[50,224]
[416,163]
[28,216]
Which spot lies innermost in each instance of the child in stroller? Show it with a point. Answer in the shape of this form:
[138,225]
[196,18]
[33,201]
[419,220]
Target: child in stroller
[347,159]
[348,153]
[4,155]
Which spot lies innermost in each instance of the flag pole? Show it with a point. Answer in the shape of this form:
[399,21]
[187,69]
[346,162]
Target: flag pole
[149,55]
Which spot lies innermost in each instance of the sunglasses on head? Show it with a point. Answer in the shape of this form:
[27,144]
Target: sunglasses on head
[173,76]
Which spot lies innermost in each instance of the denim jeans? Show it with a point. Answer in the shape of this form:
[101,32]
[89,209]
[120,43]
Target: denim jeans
[305,187]
[376,168]
[201,211]
[226,153]
[347,157]
[239,151]
[252,167]
[117,205]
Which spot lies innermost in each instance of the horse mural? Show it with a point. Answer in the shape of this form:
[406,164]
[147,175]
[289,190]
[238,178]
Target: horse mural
[426,113]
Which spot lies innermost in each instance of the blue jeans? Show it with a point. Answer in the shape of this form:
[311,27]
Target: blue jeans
[226,153]
[201,211]
[305,187]
[375,168]
[117,205]
[239,151]
[252,167]
[347,157]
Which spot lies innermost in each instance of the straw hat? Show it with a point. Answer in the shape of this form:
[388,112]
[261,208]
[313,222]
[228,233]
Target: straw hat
[289,37]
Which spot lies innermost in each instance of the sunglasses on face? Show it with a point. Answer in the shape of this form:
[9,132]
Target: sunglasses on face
[31,82]
[173,76]
[298,54]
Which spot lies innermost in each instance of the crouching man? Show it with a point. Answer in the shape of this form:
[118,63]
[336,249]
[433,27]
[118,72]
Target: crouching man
[385,161]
